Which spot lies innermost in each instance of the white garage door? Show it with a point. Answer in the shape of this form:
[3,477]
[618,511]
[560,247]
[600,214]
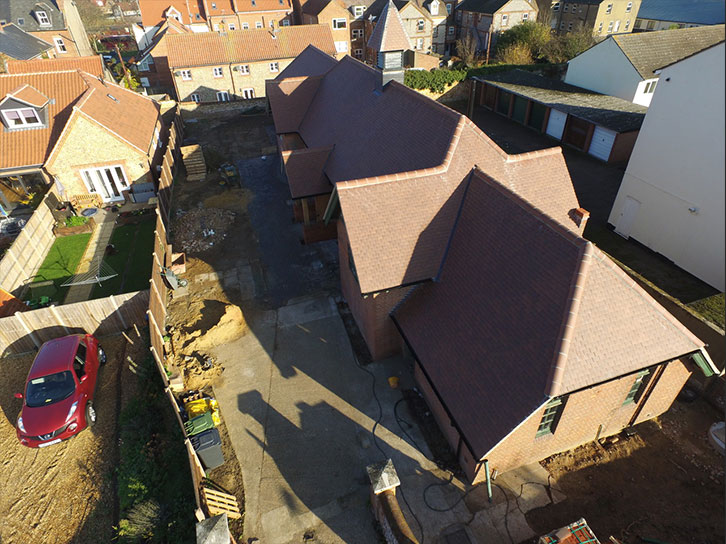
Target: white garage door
[556,124]
[602,143]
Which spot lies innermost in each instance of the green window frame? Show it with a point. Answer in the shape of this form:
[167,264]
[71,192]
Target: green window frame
[551,417]
[636,390]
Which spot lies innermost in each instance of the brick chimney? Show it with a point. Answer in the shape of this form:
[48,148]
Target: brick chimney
[580,216]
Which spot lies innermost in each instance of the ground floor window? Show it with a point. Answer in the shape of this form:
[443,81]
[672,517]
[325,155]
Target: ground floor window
[551,417]
[195,97]
[107,181]
[248,93]
[222,96]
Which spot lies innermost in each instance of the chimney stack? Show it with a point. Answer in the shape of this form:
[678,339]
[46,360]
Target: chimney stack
[580,216]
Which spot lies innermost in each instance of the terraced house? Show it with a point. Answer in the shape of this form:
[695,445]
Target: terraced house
[90,137]
[601,17]
[485,19]
[526,339]
[220,67]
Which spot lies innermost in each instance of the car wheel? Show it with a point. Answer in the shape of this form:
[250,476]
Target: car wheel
[90,415]
[101,356]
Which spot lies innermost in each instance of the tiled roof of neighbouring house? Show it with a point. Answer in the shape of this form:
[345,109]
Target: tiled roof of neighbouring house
[703,12]
[262,5]
[210,48]
[525,310]
[314,7]
[153,11]
[650,51]
[18,44]
[608,111]
[482,6]
[389,33]
[92,65]
[131,116]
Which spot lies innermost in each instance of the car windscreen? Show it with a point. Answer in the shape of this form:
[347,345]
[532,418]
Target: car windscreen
[49,389]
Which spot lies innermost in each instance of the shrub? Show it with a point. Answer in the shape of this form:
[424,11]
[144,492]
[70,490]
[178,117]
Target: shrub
[517,53]
[76,221]
[436,80]
[534,35]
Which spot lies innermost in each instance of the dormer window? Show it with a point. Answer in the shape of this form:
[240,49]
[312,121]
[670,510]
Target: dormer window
[358,10]
[434,7]
[21,118]
[43,19]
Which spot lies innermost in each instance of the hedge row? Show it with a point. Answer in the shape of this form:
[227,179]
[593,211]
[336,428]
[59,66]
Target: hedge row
[438,79]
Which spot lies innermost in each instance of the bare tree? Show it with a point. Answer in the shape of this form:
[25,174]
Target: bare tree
[466,47]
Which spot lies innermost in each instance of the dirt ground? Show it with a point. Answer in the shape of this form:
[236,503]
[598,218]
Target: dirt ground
[665,483]
[65,492]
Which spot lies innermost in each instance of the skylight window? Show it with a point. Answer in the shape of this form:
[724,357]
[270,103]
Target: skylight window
[112,97]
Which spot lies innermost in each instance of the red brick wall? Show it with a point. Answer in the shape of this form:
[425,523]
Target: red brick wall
[584,413]
[372,312]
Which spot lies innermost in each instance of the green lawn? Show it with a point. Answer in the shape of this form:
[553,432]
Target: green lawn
[134,244]
[60,264]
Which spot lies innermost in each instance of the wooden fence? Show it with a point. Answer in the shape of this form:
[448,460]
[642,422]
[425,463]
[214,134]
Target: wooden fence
[26,331]
[24,257]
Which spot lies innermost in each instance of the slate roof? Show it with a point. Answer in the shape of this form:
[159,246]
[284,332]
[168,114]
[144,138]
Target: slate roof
[389,33]
[311,62]
[92,65]
[649,51]
[482,6]
[703,12]
[12,10]
[305,175]
[210,48]
[525,310]
[607,111]
[129,116]
[18,44]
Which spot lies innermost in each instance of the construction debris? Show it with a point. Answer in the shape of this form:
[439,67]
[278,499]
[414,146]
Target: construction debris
[199,230]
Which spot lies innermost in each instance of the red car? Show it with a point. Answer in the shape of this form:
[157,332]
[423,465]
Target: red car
[58,400]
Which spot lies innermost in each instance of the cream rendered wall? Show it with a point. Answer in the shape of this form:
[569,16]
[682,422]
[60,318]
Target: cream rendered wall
[605,69]
[678,164]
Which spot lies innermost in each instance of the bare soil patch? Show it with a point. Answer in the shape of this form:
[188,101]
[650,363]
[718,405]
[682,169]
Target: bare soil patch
[665,483]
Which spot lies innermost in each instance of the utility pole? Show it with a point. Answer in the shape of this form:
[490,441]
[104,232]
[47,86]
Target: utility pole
[123,66]
[489,43]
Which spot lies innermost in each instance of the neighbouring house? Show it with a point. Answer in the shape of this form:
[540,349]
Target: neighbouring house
[415,18]
[485,19]
[17,44]
[333,13]
[388,43]
[665,14]
[220,67]
[125,9]
[601,17]
[54,21]
[206,16]
[89,136]
[671,198]
[625,65]
[525,338]
[603,126]
[153,63]
[91,65]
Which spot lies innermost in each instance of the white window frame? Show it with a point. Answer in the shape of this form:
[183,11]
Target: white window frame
[339,23]
[609,9]
[23,121]
[144,82]
[223,96]
[195,98]
[258,24]
[358,11]
[274,66]
[357,33]
[448,8]
[218,72]
[566,8]
[341,47]
[60,45]
[244,69]
[629,7]
[93,176]
[245,26]
[525,16]
[617,26]
[599,28]
[569,26]
[556,6]
[285,22]
[247,94]
[157,137]
[562,25]
[143,66]
[186,75]
[419,44]
[358,53]
[451,31]
[420,25]
[610,27]
[627,26]
[505,19]
[232,26]
[43,19]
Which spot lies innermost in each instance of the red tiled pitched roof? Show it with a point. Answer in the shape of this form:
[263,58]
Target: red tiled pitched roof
[291,98]
[209,48]
[304,169]
[311,62]
[515,285]
[152,11]
[244,6]
[389,33]
[10,304]
[30,95]
[92,65]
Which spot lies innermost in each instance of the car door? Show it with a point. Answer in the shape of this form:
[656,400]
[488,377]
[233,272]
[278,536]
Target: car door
[81,367]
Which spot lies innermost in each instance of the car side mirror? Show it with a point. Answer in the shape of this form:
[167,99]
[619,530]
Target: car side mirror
[84,378]
[18,395]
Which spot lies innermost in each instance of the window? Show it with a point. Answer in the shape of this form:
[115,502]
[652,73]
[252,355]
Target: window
[627,25]
[195,98]
[556,6]
[525,16]
[637,23]
[244,69]
[59,45]
[216,27]
[358,11]
[157,137]
[629,7]
[599,28]
[107,181]
[144,81]
[419,43]
[551,417]
[339,24]
[245,26]
[144,65]
[636,390]
[43,19]
[574,8]
[566,8]
[609,9]
[617,26]
[650,87]
[258,24]
[217,72]
[505,19]
[272,24]
[274,67]
[285,22]
[21,21]
[341,47]
[420,25]
[448,9]
[222,96]
[357,33]
[186,75]
[214,6]
[79,362]
[610,27]
[569,26]
[562,25]
[451,31]
[248,93]
[232,26]
[254,3]
[21,118]
[650,25]
[358,53]
[435,32]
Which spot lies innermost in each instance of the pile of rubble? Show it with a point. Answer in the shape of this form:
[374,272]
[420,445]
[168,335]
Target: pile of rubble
[198,230]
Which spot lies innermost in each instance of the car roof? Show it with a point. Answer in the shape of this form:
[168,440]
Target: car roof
[55,356]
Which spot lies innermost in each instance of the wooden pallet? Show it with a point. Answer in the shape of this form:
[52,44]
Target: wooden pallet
[193,158]
[221,503]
